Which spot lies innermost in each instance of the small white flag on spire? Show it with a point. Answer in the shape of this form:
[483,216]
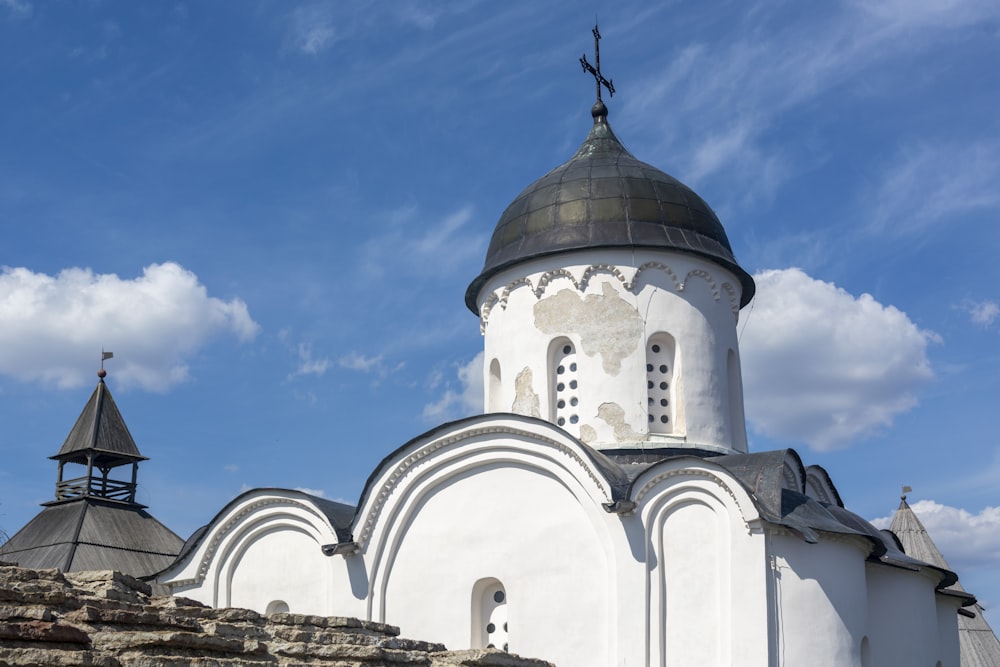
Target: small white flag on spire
[107,355]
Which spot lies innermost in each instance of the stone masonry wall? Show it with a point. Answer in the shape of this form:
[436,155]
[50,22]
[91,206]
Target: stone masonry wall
[108,619]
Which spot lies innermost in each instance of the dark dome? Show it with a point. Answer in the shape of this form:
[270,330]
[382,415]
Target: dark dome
[603,197]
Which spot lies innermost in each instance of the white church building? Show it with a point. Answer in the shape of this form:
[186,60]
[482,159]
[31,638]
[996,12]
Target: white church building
[605,510]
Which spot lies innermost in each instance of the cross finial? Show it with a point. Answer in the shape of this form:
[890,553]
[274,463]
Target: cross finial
[596,71]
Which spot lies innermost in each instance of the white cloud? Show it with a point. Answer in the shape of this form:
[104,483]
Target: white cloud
[55,326]
[826,368]
[967,541]
[466,399]
[319,493]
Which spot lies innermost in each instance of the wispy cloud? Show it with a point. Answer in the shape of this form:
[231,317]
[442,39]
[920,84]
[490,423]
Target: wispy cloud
[718,105]
[983,313]
[54,326]
[936,183]
[462,396]
[311,28]
[308,364]
[420,247]
[19,8]
[848,365]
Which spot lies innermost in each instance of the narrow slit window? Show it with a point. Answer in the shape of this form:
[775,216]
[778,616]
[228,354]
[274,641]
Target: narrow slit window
[565,385]
[660,383]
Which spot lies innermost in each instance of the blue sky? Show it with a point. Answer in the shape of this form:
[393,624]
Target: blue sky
[270,212]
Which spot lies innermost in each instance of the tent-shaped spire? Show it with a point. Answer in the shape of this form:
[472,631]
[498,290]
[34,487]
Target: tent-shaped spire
[978,645]
[101,441]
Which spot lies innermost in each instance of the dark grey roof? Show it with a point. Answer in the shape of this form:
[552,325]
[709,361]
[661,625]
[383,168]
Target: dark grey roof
[603,197]
[101,428]
[94,534]
[978,644]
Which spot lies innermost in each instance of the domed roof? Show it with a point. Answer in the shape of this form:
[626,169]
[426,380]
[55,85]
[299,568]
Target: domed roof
[603,197]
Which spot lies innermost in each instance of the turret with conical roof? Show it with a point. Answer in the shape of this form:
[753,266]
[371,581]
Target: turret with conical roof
[95,523]
[608,301]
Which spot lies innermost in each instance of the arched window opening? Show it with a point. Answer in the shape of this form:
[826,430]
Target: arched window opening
[494,387]
[489,615]
[660,352]
[277,607]
[866,659]
[565,384]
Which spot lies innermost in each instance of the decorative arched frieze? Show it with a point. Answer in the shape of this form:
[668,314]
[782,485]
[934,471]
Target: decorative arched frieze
[559,452]
[538,288]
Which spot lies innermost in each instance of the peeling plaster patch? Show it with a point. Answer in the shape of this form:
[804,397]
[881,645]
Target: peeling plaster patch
[607,324]
[525,398]
[588,433]
[614,415]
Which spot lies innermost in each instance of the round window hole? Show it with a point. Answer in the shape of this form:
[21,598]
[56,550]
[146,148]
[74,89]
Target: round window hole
[567,349]
[572,368]
[561,404]
[663,402]
[572,384]
[491,628]
[649,368]
[663,368]
[663,385]
[656,349]
[573,419]
[560,386]
[649,384]
[650,418]
[560,370]
[561,421]
[573,401]
[663,419]
[498,596]
[505,630]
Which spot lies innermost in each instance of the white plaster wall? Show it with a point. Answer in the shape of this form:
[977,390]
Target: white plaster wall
[948,642]
[523,527]
[609,309]
[903,617]
[822,602]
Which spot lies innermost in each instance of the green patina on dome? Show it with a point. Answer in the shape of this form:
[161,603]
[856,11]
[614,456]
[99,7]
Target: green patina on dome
[603,197]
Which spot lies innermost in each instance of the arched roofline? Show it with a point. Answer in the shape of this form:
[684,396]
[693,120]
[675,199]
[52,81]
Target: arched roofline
[332,515]
[605,473]
[822,480]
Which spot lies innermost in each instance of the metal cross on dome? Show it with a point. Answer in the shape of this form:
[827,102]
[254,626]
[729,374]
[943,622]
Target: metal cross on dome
[596,71]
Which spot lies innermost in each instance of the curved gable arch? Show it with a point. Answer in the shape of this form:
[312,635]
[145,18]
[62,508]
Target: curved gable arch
[207,568]
[705,548]
[523,470]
